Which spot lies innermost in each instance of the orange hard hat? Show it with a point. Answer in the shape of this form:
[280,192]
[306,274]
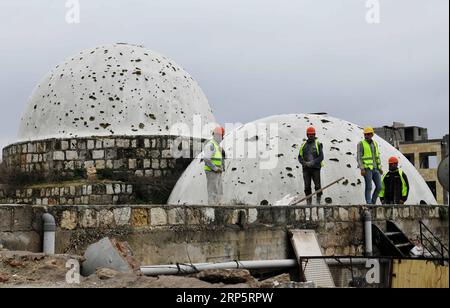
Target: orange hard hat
[311,130]
[393,160]
[219,130]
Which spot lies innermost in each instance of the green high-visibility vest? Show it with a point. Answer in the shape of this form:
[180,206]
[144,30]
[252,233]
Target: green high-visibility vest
[404,186]
[217,158]
[302,150]
[367,157]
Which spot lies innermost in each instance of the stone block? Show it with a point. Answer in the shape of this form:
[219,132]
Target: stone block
[71,155]
[252,215]
[155,164]
[89,219]
[108,143]
[58,155]
[90,144]
[132,163]
[176,216]
[208,215]
[158,217]
[5,220]
[64,145]
[122,143]
[139,218]
[111,154]
[343,214]
[100,164]
[98,154]
[122,216]
[69,220]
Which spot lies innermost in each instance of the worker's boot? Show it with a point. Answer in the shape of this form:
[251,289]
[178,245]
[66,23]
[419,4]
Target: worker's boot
[318,200]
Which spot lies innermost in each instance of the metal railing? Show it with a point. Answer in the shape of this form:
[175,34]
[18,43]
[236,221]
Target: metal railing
[431,240]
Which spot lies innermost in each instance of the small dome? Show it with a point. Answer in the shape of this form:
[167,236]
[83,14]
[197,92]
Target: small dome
[269,179]
[114,90]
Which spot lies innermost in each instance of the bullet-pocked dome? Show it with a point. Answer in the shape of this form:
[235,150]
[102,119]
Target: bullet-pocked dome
[117,89]
[262,166]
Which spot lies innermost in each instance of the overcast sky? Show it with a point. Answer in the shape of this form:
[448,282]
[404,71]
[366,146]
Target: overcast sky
[252,58]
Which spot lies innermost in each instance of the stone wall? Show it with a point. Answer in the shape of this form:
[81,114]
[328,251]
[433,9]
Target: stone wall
[152,164]
[163,234]
[150,156]
[105,193]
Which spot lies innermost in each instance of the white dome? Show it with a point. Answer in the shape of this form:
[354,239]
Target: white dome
[114,90]
[245,182]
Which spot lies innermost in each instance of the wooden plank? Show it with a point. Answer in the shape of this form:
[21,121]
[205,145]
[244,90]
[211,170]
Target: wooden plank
[419,274]
[305,244]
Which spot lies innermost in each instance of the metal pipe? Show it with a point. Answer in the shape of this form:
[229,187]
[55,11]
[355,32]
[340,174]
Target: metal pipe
[174,269]
[368,232]
[49,228]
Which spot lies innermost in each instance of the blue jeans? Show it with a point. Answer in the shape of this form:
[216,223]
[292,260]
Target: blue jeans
[375,176]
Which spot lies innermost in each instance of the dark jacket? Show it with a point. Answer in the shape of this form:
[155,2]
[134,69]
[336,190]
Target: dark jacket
[318,157]
[393,188]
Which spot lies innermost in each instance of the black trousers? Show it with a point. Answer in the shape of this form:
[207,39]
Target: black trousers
[314,175]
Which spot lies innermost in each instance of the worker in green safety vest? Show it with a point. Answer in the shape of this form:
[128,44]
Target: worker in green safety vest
[311,158]
[368,156]
[213,157]
[395,185]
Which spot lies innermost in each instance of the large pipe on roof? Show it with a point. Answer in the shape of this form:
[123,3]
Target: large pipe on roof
[174,269]
[49,228]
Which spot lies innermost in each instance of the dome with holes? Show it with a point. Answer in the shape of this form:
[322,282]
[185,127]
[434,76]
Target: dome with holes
[262,164]
[115,89]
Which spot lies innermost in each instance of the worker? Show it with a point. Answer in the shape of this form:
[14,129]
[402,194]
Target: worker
[311,158]
[368,155]
[213,157]
[395,185]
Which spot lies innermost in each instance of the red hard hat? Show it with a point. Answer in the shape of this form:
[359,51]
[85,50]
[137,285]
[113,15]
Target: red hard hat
[219,130]
[311,130]
[393,160]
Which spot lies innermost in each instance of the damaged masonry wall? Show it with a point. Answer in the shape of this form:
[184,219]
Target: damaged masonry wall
[247,181]
[160,234]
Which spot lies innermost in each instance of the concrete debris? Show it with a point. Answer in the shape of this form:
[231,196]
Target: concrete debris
[108,253]
[226,276]
[106,273]
[4,277]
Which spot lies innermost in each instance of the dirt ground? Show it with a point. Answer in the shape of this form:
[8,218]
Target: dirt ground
[29,270]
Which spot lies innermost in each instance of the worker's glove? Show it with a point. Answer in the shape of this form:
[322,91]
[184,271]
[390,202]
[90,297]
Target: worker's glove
[381,171]
[218,170]
[363,172]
